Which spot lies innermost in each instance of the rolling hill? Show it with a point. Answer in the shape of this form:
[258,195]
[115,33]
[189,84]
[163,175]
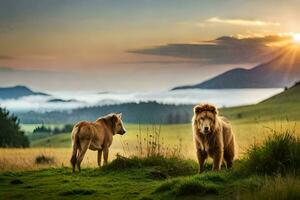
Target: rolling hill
[17,92]
[282,107]
[281,71]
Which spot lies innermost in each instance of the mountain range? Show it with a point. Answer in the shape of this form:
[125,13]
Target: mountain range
[17,92]
[279,72]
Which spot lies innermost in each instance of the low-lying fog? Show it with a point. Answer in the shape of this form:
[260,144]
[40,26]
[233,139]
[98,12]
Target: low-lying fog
[70,100]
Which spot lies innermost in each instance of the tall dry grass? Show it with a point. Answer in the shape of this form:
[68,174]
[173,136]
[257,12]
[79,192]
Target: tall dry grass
[150,143]
[142,141]
[19,159]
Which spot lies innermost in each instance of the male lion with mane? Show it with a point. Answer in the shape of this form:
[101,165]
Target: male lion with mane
[97,136]
[213,137]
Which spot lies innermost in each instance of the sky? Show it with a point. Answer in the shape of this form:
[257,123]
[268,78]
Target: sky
[139,45]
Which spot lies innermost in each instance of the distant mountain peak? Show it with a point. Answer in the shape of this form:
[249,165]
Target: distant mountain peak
[281,71]
[17,91]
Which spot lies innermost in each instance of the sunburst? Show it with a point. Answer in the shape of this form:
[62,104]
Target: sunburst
[296,38]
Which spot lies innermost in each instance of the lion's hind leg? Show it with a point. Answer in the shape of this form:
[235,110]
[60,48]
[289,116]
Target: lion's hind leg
[84,147]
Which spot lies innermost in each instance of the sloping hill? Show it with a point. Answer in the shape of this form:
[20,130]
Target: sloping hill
[282,107]
[292,95]
[17,92]
[281,71]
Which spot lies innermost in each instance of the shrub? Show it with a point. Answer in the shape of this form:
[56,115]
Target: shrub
[278,154]
[67,128]
[42,159]
[42,129]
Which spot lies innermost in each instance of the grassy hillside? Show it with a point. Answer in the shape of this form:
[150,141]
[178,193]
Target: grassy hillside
[132,183]
[159,177]
[281,107]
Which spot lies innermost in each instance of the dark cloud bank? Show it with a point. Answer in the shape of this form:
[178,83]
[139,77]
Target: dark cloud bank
[223,50]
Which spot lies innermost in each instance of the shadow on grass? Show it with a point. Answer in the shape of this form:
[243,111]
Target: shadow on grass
[77,192]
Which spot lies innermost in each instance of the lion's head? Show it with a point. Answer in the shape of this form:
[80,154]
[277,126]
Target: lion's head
[205,117]
[118,123]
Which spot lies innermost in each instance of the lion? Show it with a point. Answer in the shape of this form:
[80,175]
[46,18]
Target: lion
[97,136]
[213,137]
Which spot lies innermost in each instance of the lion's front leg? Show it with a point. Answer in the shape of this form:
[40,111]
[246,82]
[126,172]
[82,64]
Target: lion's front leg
[217,159]
[201,155]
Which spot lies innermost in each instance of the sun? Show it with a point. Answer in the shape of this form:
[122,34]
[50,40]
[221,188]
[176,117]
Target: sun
[296,37]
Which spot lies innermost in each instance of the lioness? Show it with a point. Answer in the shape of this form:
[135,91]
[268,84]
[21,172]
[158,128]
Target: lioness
[213,136]
[97,136]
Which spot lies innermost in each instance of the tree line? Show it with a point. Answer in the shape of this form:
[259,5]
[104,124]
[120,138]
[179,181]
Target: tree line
[143,113]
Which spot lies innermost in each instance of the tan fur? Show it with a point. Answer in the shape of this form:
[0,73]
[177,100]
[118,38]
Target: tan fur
[97,136]
[213,137]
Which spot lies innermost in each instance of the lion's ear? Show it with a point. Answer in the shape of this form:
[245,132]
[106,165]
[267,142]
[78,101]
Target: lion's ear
[197,109]
[214,110]
[120,115]
[114,119]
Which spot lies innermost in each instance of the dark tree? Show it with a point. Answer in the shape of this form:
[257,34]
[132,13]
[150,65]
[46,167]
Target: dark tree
[10,131]
[42,129]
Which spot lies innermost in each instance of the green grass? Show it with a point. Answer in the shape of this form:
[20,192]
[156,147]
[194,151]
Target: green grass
[278,188]
[158,177]
[59,140]
[91,183]
[123,178]
[165,167]
[142,179]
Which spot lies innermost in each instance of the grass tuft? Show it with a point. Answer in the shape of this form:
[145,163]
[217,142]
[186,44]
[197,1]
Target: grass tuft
[278,188]
[278,154]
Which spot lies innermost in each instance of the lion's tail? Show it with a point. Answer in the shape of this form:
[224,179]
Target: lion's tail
[75,145]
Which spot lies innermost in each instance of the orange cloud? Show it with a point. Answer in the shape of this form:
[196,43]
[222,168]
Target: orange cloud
[241,22]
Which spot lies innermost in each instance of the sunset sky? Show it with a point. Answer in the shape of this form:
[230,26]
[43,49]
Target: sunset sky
[139,43]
